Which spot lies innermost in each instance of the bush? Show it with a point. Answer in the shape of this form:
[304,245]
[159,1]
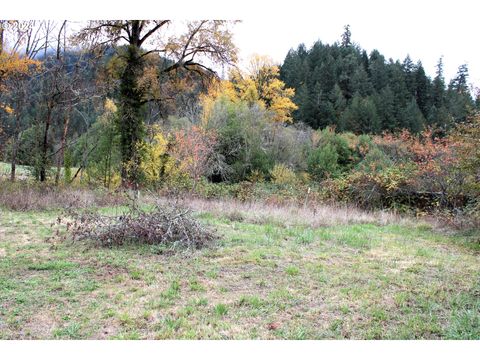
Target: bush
[390,187]
[344,145]
[375,160]
[283,175]
[210,190]
[323,162]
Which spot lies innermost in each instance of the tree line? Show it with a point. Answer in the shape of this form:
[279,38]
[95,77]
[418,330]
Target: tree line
[341,85]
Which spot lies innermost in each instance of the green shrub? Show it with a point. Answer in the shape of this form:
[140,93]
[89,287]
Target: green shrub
[375,160]
[323,162]
[389,187]
[211,190]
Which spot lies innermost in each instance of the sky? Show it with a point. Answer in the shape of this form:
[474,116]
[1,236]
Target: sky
[423,29]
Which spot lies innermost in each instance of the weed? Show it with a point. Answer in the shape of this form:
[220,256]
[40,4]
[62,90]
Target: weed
[220,309]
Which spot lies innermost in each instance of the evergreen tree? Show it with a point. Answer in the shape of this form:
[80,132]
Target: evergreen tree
[304,112]
[438,86]
[347,68]
[291,70]
[385,103]
[339,104]
[346,36]
[409,70]
[361,116]
[361,83]
[378,71]
[422,91]
[459,101]
[459,83]
[401,94]
[365,62]
[412,117]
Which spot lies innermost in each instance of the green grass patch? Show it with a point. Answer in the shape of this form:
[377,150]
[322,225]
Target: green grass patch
[262,280]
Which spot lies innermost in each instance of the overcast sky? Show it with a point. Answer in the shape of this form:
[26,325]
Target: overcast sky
[424,29]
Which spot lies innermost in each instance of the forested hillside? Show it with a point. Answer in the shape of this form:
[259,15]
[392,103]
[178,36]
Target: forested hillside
[341,85]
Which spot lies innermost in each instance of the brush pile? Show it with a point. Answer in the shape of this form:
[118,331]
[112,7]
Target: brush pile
[165,224]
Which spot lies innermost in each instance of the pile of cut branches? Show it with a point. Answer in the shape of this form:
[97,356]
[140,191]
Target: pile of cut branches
[165,224]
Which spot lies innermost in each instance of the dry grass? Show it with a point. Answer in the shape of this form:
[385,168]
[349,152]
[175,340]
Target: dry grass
[315,215]
[23,196]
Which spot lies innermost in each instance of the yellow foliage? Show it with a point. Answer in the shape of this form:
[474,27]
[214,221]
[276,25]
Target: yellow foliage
[256,176]
[148,82]
[283,175]
[282,107]
[261,86]
[11,64]
[110,106]
[221,89]
[249,92]
[154,156]
[157,164]
[7,108]
[304,177]
[115,180]
[271,90]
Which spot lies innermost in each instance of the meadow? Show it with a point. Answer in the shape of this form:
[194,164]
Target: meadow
[275,272]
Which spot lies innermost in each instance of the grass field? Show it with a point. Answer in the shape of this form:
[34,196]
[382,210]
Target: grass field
[21,171]
[268,277]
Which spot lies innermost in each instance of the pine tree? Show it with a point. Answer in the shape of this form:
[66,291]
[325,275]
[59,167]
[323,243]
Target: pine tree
[385,103]
[361,116]
[346,36]
[459,83]
[378,70]
[409,70]
[343,86]
[361,83]
[291,70]
[438,86]
[304,112]
[339,104]
[413,118]
[459,100]
[401,95]
[347,67]
[422,91]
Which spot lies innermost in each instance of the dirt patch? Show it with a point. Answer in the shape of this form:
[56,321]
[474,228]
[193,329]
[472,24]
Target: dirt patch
[109,271]
[39,326]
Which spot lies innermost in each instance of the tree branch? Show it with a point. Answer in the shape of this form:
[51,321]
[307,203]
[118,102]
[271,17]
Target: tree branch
[152,30]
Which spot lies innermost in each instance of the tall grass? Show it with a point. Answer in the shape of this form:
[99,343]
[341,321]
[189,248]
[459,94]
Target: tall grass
[314,215]
[24,196]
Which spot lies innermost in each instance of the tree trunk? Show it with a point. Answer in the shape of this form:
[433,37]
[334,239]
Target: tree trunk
[43,163]
[2,22]
[131,117]
[16,141]
[60,159]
